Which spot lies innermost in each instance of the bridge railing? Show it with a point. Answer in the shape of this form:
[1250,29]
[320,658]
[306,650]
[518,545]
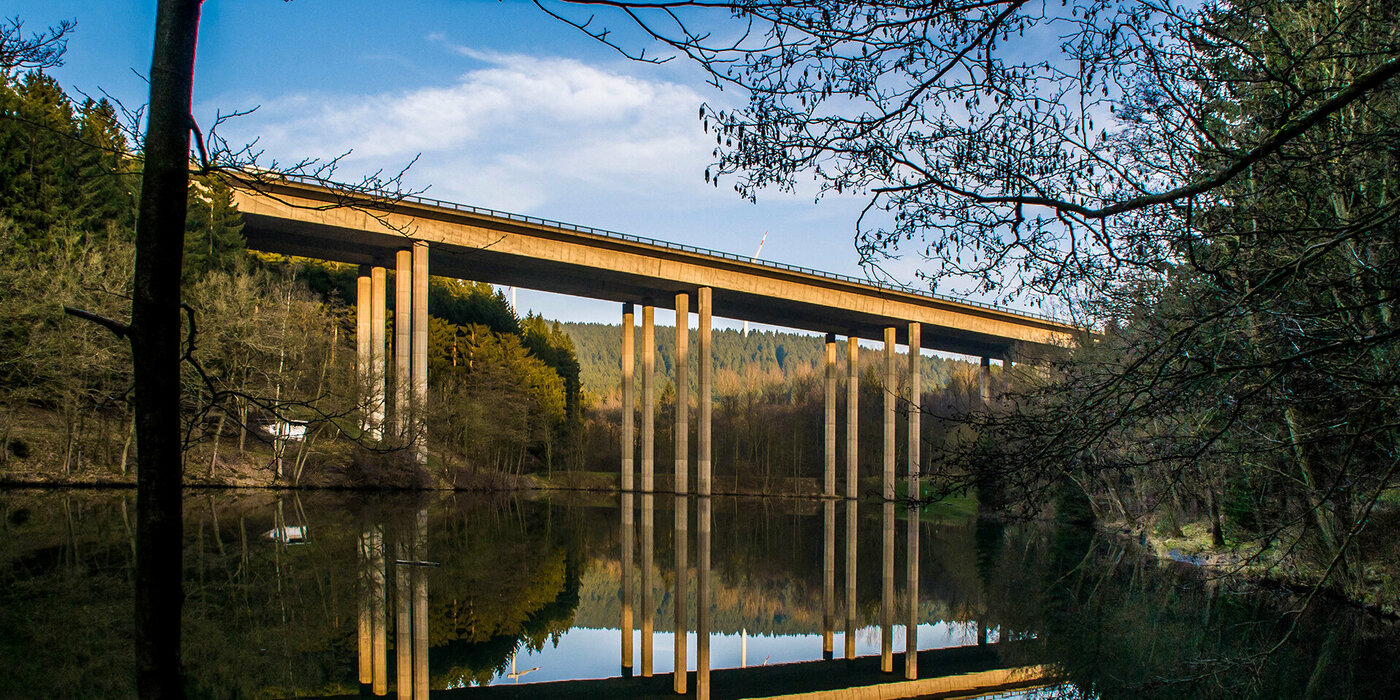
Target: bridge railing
[604,233]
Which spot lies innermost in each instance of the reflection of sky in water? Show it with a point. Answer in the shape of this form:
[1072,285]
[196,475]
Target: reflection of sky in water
[593,653]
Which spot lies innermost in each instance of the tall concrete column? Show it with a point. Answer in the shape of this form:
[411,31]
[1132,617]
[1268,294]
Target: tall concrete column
[378,284]
[891,387]
[705,399]
[702,598]
[648,397]
[629,440]
[366,617]
[852,415]
[420,348]
[363,357]
[682,598]
[986,379]
[682,435]
[648,579]
[403,622]
[851,517]
[911,593]
[403,343]
[887,590]
[829,480]
[420,607]
[626,559]
[916,393]
[380,609]
[828,577]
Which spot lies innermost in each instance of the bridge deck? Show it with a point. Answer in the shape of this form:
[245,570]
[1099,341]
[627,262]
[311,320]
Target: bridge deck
[469,243]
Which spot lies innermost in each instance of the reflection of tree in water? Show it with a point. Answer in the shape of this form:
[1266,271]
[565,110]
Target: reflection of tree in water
[1121,626]
[512,585]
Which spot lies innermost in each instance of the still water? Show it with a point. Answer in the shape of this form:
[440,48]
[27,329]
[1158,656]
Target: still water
[322,594]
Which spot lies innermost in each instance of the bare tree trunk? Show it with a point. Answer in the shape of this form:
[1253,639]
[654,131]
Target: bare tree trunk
[155,352]
[218,433]
[126,444]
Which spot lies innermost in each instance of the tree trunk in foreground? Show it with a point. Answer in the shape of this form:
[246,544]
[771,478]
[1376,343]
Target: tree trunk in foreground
[155,352]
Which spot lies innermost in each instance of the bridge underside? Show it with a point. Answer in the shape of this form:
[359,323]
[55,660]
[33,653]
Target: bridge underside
[962,672]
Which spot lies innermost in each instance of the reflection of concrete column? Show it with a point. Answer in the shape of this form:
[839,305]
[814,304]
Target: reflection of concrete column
[829,481]
[851,506]
[625,561]
[911,593]
[420,607]
[380,609]
[629,441]
[403,623]
[828,577]
[705,399]
[915,406]
[891,386]
[378,284]
[648,397]
[852,414]
[648,580]
[363,356]
[986,379]
[682,597]
[420,348]
[403,342]
[682,394]
[887,591]
[366,619]
[702,598]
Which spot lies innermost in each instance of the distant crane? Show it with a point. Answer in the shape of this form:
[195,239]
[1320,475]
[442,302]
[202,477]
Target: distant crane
[755,258]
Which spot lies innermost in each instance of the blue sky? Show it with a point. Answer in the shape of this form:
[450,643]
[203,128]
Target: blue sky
[505,107]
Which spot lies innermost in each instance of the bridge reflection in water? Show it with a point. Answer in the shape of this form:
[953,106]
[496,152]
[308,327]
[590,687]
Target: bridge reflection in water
[959,671]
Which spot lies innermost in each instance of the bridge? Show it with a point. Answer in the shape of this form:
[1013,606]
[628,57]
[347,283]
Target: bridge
[414,235]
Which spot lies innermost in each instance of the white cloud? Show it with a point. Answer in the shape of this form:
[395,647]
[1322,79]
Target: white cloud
[518,133]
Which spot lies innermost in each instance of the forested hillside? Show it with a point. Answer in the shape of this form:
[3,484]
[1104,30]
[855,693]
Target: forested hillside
[740,361]
[272,337]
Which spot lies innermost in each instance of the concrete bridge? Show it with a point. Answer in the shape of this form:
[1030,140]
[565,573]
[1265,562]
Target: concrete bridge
[415,235]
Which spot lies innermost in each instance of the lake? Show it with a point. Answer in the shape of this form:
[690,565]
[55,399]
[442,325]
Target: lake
[574,594]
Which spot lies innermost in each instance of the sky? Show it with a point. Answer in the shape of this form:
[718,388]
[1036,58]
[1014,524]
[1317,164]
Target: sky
[502,106]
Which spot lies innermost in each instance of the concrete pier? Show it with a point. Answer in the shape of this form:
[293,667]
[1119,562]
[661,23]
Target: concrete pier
[702,598]
[682,597]
[379,606]
[828,577]
[887,589]
[682,434]
[829,476]
[648,579]
[891,389]
[403,343]
[911,594]
[915,409]
[420,607]
[420,349]
[378,316]
[629,439]
[705,399]
[985,375]
[626,558]
[363,358]
[648,397]
[851,516]
[403,622]
[852,416]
